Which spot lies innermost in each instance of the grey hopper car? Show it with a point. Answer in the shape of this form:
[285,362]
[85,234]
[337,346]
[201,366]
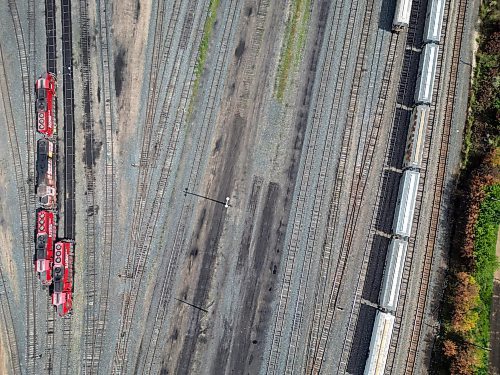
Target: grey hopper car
[434,21]
[405,207]
[394,264]
[379,344]
[426,74]
[416,137]
[402,14]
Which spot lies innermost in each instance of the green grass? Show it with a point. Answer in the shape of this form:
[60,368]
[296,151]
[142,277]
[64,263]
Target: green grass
[486,264]
[485,91]
[203,49]
[295,38]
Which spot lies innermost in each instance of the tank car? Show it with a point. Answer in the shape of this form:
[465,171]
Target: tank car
[402,15]
[62,296]
[379,344]
[403,216]
[434,21]
[426,74]
[45,238]
[45,88]
[416,137]
[46,174]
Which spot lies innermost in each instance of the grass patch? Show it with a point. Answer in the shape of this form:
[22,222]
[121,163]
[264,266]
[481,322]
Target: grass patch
[465,331]
[291,52]
[486,264]
[203,49]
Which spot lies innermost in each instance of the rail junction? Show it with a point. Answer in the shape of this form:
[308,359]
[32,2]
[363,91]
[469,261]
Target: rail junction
[320,246]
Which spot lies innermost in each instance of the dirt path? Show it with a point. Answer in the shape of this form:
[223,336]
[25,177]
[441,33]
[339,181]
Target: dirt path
[495,320]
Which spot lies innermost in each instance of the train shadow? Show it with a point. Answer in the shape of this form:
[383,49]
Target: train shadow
[388,200]
[375,271]
[386,14]
[398,137]
[361,341]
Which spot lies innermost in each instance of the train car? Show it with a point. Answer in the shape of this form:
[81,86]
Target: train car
[379,344]
[407,195]
[45,238]
[62,297]
[416,137]
[46,174]
[402,15]
[45,88]
[393,272]
[426,74]
[434,21]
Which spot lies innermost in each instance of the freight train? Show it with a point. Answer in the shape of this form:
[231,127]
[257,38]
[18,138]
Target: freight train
[53,260]
[408,187]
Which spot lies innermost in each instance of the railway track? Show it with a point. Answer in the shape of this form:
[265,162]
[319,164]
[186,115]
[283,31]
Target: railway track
[151,356]
[451,88]
[24,199]
[90,353]
[152,146]
[318,336]
[148,229]
[69,123]
[50,27]
[319,195]
[109,174]
[65,364]
[49,334]
[7,322]
[357,198]
[145,166]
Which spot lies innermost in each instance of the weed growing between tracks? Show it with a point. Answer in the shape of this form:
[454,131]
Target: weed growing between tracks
[465,332]
[203,49]
[291,52]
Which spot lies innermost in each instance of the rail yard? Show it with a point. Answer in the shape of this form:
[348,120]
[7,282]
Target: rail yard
[183,192]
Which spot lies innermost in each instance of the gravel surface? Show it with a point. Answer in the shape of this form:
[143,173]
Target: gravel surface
[286,279]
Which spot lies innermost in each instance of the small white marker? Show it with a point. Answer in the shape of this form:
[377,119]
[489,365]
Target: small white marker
[227,202]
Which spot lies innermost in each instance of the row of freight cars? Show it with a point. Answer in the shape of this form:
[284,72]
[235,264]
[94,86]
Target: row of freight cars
[408,187]
[53,258]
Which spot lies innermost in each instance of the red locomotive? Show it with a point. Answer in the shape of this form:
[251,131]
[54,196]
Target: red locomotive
[45,103]
[46,174]
[45,238]
[62,297]
[53,260]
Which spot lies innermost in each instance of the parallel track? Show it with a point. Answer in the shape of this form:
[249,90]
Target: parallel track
[90,352]
[148,228]
[451,88]
[319,334]
[6,316]
[51,62]
[49,334]
[319,194]
[108,116]
[145,164]
[151,356]
[27,202]
[357,198]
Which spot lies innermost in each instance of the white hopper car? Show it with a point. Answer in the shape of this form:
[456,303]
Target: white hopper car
[405,207]
[393,273]
[402,14]
[416,137]
[426,74]
[434,21]
[379,344]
